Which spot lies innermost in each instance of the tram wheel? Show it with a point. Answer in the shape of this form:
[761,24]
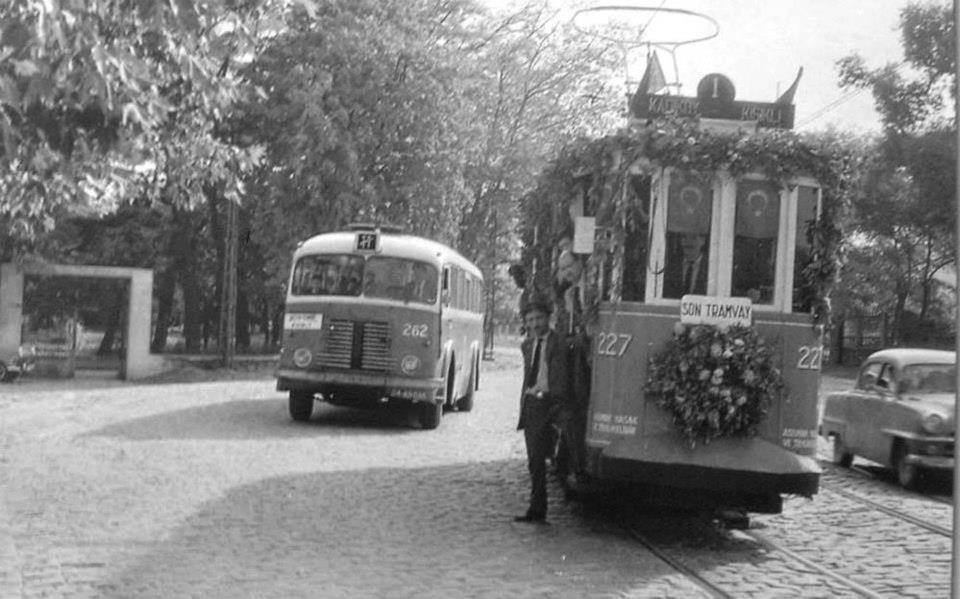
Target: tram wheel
[842,456]
[907,474]
[301,405]
[430,413]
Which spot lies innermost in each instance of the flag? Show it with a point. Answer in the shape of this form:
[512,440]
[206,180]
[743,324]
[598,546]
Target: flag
[787,96]
[653,79]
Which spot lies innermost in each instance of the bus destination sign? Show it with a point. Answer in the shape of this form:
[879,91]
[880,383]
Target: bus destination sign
[368,241]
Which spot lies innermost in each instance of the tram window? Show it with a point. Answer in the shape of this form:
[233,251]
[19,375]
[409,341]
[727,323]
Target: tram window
[803,292]
[689,210]
[755,241]
[636,239]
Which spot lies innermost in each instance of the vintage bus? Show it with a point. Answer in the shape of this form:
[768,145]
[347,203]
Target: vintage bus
[374,316]
[708,251]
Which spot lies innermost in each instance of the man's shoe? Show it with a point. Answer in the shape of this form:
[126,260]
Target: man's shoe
[531,517]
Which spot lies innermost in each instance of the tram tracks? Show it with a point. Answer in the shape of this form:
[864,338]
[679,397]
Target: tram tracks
[859,537]
[737,563]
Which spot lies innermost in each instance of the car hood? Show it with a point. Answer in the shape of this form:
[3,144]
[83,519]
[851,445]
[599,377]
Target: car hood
[939,403]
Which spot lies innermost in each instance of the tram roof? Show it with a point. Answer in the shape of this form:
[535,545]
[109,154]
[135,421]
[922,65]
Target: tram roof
[391,244]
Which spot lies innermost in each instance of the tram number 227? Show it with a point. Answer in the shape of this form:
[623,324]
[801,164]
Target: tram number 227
[613,344]
[811,356]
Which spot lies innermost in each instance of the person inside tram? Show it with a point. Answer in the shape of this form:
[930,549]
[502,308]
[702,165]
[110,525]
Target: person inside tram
[686,264]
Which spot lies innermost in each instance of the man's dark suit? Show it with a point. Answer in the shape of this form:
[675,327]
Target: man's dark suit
[537,414]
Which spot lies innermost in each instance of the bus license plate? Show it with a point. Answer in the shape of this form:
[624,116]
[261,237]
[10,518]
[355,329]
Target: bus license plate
[418,394]
[302,322]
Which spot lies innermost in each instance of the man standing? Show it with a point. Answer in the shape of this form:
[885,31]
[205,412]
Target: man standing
[544,392]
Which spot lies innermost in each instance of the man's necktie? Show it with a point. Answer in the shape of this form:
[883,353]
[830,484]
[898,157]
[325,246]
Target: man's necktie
[534,366]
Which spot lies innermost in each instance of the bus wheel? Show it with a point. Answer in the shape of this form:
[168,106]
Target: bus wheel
[430,413]
[465,403]
[301,405]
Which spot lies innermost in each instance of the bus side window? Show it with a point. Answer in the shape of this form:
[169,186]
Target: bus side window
[445,293]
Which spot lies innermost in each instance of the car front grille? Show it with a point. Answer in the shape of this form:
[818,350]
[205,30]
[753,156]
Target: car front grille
[356,345]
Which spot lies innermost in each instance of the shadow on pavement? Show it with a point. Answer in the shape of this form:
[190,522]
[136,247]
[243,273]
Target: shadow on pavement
[429,532]
[262,418]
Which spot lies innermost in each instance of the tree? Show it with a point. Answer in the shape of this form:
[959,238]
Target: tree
[904,225]
[105,102]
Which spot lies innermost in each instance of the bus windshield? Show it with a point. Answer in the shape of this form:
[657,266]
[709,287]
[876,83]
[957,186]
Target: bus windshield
[379,276]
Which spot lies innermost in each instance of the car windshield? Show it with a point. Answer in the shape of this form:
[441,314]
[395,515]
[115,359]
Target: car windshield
[929,378]
[379,276]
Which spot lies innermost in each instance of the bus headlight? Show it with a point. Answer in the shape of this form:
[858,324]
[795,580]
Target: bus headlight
[409,364]
[933,424]
[302,357]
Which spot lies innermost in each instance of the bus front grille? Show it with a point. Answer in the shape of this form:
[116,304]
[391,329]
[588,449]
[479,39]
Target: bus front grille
[356,345]
[375,347]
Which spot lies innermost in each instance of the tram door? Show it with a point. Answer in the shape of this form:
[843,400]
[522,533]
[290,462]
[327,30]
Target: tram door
[743,240]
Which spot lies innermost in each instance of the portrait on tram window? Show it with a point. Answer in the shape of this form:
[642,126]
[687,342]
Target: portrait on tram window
[756,228]
[689,210]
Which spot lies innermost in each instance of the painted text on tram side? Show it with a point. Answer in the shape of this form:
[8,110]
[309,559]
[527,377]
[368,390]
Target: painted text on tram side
[799,438]
[615,424]
[811,356]
[613,344]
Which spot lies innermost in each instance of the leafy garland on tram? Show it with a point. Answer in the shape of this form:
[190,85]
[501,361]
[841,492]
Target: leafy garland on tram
[714,382]
[607,162]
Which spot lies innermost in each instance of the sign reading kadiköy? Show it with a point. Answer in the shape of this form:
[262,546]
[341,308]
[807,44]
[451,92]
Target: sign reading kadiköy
[706,309]
[714,100]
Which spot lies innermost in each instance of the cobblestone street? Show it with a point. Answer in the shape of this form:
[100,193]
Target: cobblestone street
[209,489]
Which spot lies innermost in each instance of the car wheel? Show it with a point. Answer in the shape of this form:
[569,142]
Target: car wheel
[301,405]
[842,456]
[465,403]
[430,413]
[907,474]
[3,372]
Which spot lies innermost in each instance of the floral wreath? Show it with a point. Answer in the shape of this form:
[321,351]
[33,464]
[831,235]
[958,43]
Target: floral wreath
[715,381]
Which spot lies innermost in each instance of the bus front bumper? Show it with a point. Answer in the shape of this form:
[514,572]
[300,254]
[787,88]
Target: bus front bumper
[291,379]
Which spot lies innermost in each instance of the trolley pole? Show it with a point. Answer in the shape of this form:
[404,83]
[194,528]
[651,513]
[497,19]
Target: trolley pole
[955,555]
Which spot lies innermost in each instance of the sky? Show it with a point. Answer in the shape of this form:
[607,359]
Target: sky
[762,43]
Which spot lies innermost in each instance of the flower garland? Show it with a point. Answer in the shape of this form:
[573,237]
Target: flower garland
[715,381]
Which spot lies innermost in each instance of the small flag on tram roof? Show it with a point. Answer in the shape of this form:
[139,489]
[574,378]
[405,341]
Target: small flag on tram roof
[653,79]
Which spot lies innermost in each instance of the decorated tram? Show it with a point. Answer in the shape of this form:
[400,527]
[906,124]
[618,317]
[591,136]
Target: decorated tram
[706,237]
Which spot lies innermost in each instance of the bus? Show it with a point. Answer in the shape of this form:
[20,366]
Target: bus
[375,317]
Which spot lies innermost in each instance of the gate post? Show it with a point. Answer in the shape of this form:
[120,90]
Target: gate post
[11,308]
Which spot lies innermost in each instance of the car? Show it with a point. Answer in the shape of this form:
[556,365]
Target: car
[11,367]
[900,413]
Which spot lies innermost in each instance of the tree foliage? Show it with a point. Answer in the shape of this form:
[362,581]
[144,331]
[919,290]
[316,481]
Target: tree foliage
[903,226]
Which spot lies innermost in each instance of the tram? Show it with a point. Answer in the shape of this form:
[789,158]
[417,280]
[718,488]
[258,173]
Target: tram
[707,234]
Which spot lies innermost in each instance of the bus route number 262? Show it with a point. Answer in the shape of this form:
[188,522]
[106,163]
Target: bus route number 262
[414,330]
[613,344]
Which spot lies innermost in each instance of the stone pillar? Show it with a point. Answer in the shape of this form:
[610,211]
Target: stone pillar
[11,308]
[139,363]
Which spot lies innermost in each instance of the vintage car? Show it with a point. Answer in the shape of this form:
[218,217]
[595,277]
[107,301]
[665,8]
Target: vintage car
[900,413]
[11,367]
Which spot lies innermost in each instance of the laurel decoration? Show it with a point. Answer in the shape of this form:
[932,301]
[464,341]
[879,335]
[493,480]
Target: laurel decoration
[715,382]
[595,171]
